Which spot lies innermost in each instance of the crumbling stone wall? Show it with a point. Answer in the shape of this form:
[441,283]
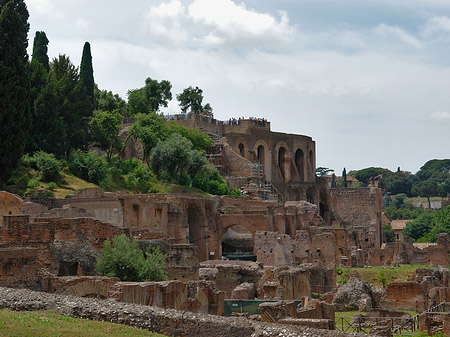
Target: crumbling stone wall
[64,246]
[9,204]
[18,267]
[360,208]
[166,321]
[405,296]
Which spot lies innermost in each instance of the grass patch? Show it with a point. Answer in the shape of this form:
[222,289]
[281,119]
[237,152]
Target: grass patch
[49,323]
[376,274]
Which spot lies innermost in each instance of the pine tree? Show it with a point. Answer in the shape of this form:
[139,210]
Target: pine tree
[40,48]
[87,72]
[14,84]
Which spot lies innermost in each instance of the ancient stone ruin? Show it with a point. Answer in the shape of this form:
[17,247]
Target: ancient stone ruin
[288,221]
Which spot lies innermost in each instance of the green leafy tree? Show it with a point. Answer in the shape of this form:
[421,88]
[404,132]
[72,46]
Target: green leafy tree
[149,129]
[150,97]
[442,224]
[364,175]
[136,102]
[122,258]
[420,226]
[426,188]
[199,140]
[40,49]
[389,234]
[107,101]
[174,160]
[87,72]
[105,127]
[14,85]
[191,100]
[157,94]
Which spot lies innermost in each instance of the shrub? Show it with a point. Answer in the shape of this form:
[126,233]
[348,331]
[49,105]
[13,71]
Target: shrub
[122,258]
[235,192]
[88,166]
[51,186]
[33,183]
[46,163]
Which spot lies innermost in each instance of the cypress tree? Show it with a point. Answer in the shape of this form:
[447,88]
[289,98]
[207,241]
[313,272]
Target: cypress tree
[40,48]
[344,175]
[14,84]
[87,72]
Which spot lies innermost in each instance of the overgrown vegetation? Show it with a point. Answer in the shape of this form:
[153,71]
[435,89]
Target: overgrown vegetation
[378,275]
[122,258]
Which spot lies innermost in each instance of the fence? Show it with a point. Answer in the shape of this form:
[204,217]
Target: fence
[398,325]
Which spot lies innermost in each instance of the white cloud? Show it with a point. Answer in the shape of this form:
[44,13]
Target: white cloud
[166,21]
[227,22]
[44,8]
[399,34]
[440,116]
[437,24]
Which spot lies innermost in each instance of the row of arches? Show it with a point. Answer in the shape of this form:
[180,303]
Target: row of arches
[302,166]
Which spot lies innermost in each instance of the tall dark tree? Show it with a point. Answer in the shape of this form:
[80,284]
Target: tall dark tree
[344,176]
[87,72]
[40,49]
[14,84]
[73,102]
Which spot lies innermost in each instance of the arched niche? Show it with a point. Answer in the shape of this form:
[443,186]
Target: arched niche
[197,230]
[300,164]
[241,148]
[282,161]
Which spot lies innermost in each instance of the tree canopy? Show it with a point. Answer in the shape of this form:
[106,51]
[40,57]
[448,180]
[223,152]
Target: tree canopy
[191,100]
[14,84]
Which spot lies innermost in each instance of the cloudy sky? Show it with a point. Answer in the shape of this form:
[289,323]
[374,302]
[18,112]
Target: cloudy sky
[369,80]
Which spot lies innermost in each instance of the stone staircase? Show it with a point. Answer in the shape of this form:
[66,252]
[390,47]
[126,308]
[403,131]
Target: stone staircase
[214,152]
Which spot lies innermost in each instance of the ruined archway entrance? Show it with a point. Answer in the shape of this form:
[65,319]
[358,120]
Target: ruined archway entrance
[310,195]
[197,231]
[300,164]
[237,244]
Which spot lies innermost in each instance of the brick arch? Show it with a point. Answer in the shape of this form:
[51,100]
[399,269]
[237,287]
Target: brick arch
[300,158]
[282,159]
[236,148]
[267,160]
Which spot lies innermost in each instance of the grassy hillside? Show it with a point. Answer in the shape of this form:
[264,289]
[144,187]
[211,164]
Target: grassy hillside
[48,323]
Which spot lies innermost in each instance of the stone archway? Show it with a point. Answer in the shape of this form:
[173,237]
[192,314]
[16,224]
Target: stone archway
[197,231]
